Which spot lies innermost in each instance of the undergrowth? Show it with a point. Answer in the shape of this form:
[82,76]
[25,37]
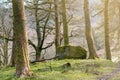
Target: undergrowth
[55,70]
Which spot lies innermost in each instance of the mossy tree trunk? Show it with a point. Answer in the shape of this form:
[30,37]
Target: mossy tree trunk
[88,31]
[57,24]
[21,40]
[107,44]
[65,24]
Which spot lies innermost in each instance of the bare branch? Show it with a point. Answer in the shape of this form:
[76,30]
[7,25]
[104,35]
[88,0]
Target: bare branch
[32,44]
[47,10]
[3,37]
[49,45]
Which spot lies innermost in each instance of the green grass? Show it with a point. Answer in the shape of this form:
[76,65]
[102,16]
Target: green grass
[80,70]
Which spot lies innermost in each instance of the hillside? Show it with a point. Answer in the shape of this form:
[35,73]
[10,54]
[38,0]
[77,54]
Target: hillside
[55,70]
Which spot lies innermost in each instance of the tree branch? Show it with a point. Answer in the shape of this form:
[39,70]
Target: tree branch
[8,39]
[47,10]
[44,29]
[49,45]
[32,44]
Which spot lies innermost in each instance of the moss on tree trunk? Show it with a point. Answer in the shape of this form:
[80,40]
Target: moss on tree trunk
[21,40]
[57,24]
[65,23]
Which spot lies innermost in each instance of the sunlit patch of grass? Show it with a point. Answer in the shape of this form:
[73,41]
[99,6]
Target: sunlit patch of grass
[53,70]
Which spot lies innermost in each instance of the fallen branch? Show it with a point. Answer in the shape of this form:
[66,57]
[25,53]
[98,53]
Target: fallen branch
[42,60]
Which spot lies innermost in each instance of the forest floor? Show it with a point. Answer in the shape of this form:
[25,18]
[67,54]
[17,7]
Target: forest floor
[112,75]
[79,70]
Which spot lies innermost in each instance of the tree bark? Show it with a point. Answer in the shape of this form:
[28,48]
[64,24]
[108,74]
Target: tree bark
[21,40]
[57,24]
[5,57]
[107,44]
[12,62]
[65,24]
[88,32]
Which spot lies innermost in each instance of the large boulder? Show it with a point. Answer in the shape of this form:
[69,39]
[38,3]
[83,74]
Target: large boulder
[71,52]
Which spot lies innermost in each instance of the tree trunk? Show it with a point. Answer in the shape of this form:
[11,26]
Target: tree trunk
[65,24]
[88,31]
[12,62]
[117,46]
[5,53]
[21,40]
[118,39]
[38,54]
[38,50]
[57,24]
[38,32]
[107,44]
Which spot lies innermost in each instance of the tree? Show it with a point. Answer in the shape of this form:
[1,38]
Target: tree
[41,24]
[57,24]
[5,32]
[106,26]
[114,19]
[65,24]
[12,60]
[21,40]
[88,32]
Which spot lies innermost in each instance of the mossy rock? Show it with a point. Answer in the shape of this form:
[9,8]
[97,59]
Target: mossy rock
[71,52]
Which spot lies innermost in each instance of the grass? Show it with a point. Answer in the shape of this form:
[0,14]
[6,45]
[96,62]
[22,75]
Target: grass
[53,70]
[116,77]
